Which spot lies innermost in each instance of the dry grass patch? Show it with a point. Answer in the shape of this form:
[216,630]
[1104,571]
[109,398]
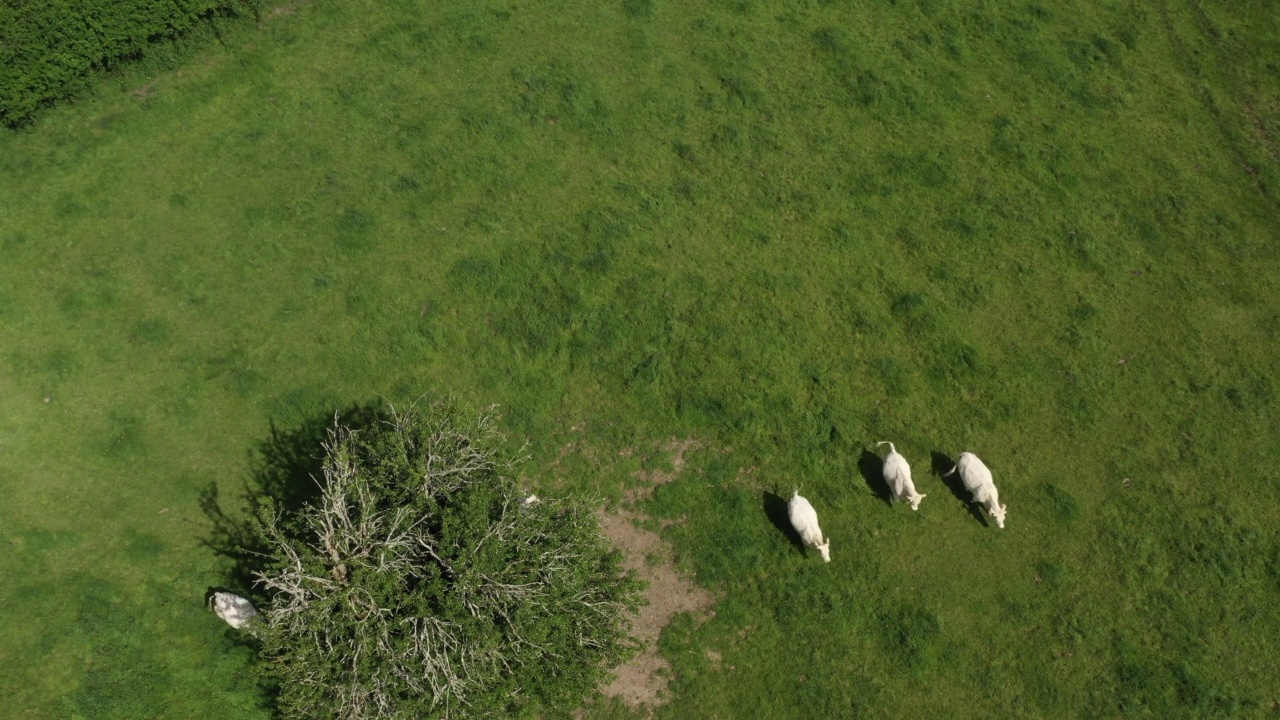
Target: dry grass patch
[650,479]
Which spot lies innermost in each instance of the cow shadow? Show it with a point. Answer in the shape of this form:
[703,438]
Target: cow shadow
[775,508]
[942,464]
[871,467]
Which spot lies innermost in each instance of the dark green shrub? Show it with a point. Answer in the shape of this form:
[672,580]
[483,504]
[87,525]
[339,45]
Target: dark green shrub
[50,49]
[418,586]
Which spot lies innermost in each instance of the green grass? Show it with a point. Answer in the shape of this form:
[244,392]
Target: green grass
[786,229]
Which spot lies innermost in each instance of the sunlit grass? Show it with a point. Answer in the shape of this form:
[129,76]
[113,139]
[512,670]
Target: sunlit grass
[1044,233]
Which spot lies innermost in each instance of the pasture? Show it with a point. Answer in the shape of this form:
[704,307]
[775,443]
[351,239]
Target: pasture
[1042,232]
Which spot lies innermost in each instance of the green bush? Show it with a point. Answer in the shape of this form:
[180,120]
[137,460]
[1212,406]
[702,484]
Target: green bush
[416,585]
[50,49]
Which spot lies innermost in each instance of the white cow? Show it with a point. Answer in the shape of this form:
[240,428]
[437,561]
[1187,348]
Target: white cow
[805,520]
[897,473]
[977,480]
[237,611]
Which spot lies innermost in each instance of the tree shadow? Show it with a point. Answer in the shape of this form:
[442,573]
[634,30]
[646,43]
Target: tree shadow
[942,464]
[283,480]
[284,470]
[775,508]
[871,467]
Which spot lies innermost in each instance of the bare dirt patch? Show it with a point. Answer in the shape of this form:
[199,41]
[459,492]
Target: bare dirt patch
[642,680]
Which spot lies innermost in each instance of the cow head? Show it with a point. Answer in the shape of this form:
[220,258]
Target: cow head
[915,500]
[998,514]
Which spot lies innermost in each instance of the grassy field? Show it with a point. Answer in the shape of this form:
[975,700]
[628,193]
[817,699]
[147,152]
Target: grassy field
[1043,232]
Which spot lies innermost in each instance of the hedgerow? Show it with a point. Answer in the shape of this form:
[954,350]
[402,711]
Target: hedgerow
[52,49]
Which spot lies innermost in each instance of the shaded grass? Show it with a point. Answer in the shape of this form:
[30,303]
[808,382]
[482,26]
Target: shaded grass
[790,231]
